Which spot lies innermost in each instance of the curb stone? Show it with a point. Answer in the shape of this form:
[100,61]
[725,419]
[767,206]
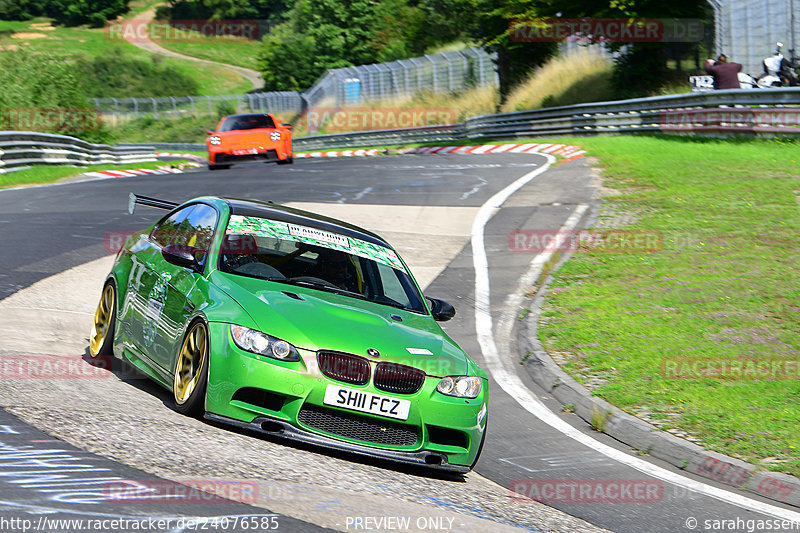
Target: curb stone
[568,152]
[191,157]
[637,433]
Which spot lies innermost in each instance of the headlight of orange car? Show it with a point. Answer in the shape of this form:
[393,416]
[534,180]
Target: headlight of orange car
[215,140]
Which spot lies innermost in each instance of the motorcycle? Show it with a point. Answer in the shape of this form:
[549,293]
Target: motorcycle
[779,71]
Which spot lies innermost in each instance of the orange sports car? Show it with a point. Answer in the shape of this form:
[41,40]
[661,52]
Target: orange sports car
[249,137]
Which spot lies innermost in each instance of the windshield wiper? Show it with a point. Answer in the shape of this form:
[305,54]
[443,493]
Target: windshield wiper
[327,287]
[391,303]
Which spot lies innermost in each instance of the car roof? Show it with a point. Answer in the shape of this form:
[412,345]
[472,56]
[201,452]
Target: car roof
[254,208]
[247,115]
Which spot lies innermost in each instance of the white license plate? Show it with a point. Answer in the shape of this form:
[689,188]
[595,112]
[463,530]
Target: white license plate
[245,151]
[367,402]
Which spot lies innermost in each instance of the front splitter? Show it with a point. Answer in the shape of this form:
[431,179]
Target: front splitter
[432,460]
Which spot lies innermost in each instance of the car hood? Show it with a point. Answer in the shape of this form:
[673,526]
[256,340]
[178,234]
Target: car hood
[317,320]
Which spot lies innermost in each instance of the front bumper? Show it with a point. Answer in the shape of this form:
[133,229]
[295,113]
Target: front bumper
[279,398]
[225,157]
[285,430]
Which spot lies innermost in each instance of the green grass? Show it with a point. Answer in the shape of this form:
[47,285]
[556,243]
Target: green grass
[148,129]
[137,7]
[239,52]
[723,289]
[212,79]
[41,174]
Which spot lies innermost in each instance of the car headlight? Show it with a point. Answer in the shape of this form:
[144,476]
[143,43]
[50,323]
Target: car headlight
[215,140]
[460,386]
[275,136]
[254,341]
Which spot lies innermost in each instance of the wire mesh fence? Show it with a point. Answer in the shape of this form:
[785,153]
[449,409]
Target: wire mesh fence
[445,72]
[116,110]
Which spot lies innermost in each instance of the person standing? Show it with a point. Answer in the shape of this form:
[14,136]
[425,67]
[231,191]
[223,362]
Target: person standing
[725,73]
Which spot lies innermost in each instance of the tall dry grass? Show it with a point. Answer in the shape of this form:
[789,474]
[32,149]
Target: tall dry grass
[443,108]
[582,75]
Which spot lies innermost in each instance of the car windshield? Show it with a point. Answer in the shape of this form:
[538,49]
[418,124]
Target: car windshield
[309,257]
[247,122]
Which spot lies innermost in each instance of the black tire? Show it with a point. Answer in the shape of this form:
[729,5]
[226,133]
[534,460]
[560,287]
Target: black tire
[288,161]
[101,337]
[218,167]
[190,378]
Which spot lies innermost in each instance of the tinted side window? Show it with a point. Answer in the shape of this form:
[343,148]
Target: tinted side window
[398,288]
[197,228]
[165,231]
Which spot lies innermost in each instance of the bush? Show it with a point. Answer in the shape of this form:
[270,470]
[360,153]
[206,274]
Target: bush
[69,12]
[42,92]
[225,108]
[120,76]
[640,70]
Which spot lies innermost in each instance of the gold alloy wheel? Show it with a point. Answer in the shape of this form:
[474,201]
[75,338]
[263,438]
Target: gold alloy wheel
[102,321]
[188,370]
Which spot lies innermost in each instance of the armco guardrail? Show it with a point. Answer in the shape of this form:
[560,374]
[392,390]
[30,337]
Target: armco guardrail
[767,112]
[718,112]
[20,149]
[195,147]
[438,133]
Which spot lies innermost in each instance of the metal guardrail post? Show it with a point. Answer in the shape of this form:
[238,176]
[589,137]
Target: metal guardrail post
[433,70]
[419,72]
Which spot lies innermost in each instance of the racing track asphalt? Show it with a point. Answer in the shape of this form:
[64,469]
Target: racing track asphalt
[48,230]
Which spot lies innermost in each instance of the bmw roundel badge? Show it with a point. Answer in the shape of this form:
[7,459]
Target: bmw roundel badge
[372,352]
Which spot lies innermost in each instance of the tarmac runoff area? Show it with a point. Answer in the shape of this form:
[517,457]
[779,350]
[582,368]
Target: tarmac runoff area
[128,418]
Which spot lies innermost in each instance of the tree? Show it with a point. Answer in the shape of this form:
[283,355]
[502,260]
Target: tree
[69,12]
[287,60]
[491,21]
[324,34]
[272,11]
[640,67]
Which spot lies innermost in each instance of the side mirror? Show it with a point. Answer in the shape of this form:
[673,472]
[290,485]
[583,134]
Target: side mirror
[441,310]
[209,132]
[182,256]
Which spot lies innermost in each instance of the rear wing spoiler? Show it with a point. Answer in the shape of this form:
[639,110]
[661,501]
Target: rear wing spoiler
[150,202]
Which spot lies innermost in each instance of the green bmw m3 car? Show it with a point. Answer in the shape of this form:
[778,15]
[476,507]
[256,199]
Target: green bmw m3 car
[295,325]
